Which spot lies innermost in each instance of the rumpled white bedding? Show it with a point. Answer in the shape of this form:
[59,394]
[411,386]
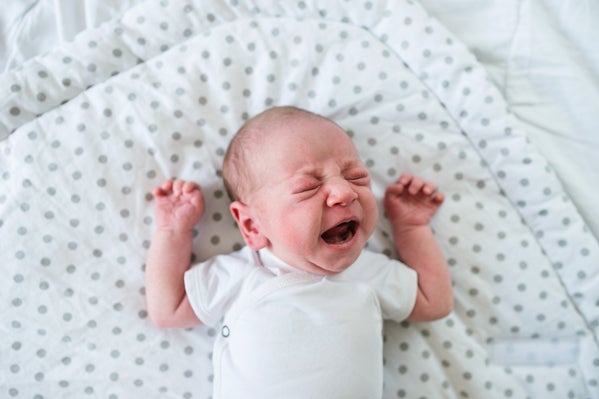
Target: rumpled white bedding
[94,126]
[32,27]
[541,55]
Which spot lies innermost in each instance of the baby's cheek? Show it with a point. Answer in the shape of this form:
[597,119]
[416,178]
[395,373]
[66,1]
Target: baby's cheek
[371,209]
[369,225]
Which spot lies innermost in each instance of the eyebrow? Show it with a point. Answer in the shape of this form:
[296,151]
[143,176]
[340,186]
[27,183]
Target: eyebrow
[345,165]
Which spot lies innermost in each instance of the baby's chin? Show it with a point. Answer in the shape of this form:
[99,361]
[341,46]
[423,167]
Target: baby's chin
[337,261]
[327,258]
[325,264]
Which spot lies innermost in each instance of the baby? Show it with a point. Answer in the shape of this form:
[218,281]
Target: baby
[301,306]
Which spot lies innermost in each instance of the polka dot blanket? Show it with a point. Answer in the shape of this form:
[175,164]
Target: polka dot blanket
[90,129]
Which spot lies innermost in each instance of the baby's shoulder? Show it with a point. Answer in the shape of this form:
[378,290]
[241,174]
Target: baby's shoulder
[224,267]
[369,257]
[242,257]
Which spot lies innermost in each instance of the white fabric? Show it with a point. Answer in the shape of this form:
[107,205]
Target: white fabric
[214,285]
[540,54]
[29,28]
[543,58]
[287,333]
[304,339]
[89,129]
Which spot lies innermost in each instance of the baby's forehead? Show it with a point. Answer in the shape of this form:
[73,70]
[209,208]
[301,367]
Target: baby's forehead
[311,150]
[295,134]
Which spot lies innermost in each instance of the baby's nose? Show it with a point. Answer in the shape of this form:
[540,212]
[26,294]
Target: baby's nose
[341,192]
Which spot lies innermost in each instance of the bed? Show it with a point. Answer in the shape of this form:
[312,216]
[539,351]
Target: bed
[104,101]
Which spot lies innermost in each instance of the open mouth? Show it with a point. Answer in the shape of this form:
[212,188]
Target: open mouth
[341,233]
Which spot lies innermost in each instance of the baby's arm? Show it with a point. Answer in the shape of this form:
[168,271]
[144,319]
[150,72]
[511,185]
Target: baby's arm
[410,204]
[179,206]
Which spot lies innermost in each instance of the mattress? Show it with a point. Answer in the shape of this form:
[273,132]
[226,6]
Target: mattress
[90,128]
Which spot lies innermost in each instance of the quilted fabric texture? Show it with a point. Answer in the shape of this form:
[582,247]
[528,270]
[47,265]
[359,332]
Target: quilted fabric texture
[90,129]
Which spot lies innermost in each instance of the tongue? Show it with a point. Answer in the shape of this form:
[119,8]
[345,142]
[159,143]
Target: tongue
[338,233]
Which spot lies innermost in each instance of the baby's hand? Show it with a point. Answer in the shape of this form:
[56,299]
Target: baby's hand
[412,201]
[179,205]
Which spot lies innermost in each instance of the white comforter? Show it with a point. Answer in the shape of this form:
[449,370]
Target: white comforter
[92,127]
[541,55]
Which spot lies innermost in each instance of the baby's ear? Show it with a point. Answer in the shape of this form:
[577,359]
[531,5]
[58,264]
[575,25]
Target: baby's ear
[250,229]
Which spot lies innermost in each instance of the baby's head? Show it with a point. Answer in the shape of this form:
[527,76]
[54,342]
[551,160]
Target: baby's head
[251,141]
[300,189]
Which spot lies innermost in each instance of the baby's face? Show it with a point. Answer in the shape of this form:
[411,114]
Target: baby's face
[314,204]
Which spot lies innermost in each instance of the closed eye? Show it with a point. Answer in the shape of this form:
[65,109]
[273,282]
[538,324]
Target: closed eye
[360,178]
[306,186]
[307,189]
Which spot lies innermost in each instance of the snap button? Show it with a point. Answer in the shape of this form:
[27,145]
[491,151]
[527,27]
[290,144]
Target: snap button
[225,331]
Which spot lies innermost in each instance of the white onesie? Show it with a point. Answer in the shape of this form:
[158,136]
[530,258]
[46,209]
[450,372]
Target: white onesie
[290,334]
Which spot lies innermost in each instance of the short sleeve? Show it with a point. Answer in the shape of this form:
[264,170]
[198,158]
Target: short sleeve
[213,285]
[395,284]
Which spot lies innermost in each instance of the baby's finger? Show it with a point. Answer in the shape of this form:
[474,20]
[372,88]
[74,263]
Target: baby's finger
[164,189]
[404,179]
[178,187]
[394,190]
[197,199]
[415,185]
[429,188]
[167,185]
[189,186]
[438,198]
